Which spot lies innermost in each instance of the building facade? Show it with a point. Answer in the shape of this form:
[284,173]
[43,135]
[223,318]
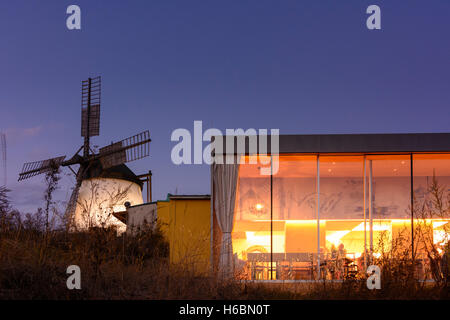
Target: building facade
[335,205]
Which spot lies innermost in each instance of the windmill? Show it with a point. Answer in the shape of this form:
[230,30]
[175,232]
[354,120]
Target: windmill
[108,162]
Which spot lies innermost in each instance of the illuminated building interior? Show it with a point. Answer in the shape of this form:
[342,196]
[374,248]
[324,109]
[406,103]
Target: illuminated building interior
[326,216]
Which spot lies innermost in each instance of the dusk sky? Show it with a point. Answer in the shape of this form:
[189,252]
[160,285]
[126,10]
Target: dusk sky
[299,66]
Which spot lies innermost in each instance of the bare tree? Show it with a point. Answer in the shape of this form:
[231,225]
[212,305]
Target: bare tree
[427,240]
[4,200]
[97,209]
[51,181]
[4,207]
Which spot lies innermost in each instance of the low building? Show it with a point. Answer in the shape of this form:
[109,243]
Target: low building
[185,222]
[333,205]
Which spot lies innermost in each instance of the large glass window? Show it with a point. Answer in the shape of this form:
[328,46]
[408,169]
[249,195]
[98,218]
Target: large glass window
[308,222]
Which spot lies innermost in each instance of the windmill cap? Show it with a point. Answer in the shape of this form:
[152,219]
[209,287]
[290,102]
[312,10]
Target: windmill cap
[121,172]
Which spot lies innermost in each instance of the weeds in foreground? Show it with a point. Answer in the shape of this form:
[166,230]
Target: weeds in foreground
[34,260]
[33,266]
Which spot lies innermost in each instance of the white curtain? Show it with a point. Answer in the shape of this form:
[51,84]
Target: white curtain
[225,178]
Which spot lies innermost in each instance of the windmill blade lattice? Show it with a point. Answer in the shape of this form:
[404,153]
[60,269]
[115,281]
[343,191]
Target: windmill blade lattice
[129,149]
[90,107]
[32,169]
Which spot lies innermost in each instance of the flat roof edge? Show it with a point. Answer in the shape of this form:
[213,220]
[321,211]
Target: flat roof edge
[345,143]
[190,197]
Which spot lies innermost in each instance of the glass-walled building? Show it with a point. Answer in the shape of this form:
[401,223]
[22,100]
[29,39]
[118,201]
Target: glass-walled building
[337,203]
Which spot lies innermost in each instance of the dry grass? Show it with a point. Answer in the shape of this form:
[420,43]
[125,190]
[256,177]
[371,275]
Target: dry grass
[33,265]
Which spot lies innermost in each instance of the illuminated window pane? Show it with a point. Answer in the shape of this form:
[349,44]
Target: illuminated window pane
[341,212]
[389,209]
[295,217]
[431,207]
[251,231]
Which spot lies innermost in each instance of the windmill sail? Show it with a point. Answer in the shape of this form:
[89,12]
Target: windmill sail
[94,121]
[90,107]
[32,169]
[129,149]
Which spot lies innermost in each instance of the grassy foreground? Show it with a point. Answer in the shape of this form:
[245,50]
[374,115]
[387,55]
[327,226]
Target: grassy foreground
[33,266]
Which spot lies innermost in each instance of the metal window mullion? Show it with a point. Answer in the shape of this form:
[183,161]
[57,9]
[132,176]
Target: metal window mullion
[364,213]
[371,208]
[271,217]
[412,206]
[211,220]
[318,218]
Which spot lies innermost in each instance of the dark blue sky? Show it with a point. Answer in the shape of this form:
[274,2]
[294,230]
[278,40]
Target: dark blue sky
[300,66]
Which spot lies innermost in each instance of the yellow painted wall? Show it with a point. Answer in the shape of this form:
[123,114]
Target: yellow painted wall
[186,224]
